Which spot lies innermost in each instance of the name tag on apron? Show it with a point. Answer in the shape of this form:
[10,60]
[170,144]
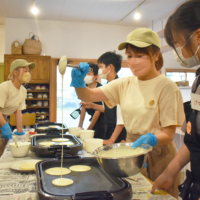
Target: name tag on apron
[195,101]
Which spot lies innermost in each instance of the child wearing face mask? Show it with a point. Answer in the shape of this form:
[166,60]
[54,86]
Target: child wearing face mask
[109,65]
[12,100]
[97,122]
[151,104]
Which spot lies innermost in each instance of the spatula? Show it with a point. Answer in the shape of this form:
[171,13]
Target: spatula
[76,112]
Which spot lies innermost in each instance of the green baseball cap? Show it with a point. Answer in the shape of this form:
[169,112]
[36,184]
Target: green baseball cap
[141,37]
[20,63]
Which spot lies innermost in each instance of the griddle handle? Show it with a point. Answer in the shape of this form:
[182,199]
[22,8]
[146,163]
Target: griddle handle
[58,147]
[101,195]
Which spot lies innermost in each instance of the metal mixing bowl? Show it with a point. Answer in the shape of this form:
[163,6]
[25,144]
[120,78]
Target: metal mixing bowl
[121,166]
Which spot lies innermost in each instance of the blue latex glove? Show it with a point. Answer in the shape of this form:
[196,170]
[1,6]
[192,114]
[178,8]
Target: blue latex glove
[145,166]
[6,131]
[149,138]
[22,133]
[79,75]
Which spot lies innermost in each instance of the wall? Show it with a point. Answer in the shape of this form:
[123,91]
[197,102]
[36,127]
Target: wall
[73,39]
[2,43]
[2,51]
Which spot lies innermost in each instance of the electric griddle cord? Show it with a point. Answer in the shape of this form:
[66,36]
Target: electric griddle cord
[100,195]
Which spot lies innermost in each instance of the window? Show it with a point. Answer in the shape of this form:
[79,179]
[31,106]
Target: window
[181,75]
[124,72]
[70,101]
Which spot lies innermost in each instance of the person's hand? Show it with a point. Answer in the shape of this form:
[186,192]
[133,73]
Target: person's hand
[106,142]
[6,131]
[149,138]
[123,141]
[82,102]
[164,181]
[79,75]
[88,105]
[21,133]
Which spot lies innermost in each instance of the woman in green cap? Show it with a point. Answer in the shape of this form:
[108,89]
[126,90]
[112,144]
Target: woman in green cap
[182,33]
[151,104]
[12,100]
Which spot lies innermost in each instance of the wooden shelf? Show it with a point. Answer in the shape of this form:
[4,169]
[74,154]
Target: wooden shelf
[165,49]
[37,90]
[161,33]
[38,122]
[37,107]
[32,99]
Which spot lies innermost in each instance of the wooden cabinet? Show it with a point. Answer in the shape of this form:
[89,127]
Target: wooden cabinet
[41,74]
[39,102]
[8,59]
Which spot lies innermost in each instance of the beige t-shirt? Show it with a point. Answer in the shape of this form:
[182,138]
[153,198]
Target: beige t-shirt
[11,98]
[146,106]
[119,116]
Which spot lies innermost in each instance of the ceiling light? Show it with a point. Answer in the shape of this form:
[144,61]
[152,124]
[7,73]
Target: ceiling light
[137,15]
[34,9]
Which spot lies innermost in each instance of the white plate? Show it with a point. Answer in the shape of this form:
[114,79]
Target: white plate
[16,165]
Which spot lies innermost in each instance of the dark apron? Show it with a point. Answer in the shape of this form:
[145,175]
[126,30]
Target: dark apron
[3,142]
[110,115]
[190,189]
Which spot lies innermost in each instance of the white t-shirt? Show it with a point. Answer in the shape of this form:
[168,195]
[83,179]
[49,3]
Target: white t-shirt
[119,116]
[146,106]
[11,98]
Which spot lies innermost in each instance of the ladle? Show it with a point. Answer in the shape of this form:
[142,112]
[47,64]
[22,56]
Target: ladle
[15,140]
[63,65]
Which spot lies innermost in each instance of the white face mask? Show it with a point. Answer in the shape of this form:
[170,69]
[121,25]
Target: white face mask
[186,62]
[88,79]
[100,73]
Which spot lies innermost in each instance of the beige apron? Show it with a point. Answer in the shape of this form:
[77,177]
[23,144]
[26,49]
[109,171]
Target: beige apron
[3,142]
[157,161]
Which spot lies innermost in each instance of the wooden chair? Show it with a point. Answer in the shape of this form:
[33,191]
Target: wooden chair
[28,119]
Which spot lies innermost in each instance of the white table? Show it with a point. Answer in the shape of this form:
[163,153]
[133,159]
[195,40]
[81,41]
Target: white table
[22,186]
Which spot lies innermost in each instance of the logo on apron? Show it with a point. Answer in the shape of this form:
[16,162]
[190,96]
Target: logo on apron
[151,103]
[189,127]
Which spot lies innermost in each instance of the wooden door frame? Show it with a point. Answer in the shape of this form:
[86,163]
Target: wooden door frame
[53,90]
[53,81]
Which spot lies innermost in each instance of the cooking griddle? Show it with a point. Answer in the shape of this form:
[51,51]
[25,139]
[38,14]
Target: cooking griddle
[49,130]
[91,185]
[55,150]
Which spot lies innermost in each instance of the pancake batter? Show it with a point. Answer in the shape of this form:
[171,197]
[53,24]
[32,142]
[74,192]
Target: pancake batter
[80,168]
[28,166]
[54,127]
[123,152]
[60,139]
[57,171]
[66,143]
[42,128]
[62,182]
[47,143]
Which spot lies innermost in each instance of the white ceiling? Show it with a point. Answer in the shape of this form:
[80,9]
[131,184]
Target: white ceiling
[96,11]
